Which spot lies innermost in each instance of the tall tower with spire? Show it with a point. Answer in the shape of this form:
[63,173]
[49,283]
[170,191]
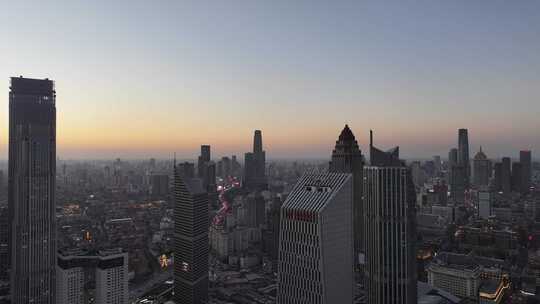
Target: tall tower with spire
[347,158]
[255,165]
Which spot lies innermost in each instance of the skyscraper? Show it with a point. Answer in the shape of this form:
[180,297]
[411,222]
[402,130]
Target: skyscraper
[517,177]
[316,241]
[379,157]
[463,153]
[255,165]
[506,175]
[203,159]
[481,169]
[190,241]
[32,172]
[347,158]
[186,170]
[390,233]
[525,160]
[206,169]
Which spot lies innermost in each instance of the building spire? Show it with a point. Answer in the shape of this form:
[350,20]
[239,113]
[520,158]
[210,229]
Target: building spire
[370,138]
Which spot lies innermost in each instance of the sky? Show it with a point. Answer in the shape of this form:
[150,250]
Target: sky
[138,79]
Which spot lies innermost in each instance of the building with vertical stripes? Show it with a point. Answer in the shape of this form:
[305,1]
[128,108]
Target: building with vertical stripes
[316,241]
[31,183]
[190,241]
[390,230]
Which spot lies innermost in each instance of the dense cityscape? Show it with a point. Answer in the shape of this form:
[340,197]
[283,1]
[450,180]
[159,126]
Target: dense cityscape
[269,152]
[358,227]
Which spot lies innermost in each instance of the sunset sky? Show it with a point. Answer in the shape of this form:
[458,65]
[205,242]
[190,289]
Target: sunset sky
[140,79]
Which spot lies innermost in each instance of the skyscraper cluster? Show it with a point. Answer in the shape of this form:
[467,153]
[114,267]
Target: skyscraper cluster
[320,229]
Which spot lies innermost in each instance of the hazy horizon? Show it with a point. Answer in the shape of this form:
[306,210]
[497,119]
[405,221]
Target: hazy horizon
[136,80]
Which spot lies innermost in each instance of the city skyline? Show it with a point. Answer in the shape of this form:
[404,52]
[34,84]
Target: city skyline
[144,81]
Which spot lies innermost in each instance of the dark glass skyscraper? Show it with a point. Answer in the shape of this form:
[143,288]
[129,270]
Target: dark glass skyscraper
[255,165]
[347,158]
[525,160]
[190,241]
[506,175]
[463,153]
[390,232]
[32,171]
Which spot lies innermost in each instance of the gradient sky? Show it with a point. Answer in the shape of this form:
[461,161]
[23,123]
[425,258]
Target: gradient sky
[146,78]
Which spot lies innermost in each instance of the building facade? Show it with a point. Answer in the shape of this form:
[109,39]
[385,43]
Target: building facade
[316,241]
[347,158]
[255,165]
[32,173]
[481,169]
[107,270]
[190,241]
[390,229]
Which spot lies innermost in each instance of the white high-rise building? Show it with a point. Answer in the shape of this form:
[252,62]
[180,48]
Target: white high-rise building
[108,268]
[316,241]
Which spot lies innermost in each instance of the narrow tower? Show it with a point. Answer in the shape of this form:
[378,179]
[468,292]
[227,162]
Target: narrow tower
[32,172]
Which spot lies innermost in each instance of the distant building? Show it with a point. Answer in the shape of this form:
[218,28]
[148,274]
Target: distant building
[255,207]
[463,154]
[206,169]
[481,169]
[456,277]
[484,204]
[159,184]
[525,160]
[347,158]
[186,170]
[517,177]
[190,241]
[506,175]
[31,193]
[77,271]
[390,229]
[255,165]
[316,244]
[497,177]
[458,184]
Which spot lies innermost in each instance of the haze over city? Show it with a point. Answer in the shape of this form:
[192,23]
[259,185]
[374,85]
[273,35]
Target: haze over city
[136,79]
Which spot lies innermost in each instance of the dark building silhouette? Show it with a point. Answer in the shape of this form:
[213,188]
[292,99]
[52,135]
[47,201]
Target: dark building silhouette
[481,169]
[186,170]
[378,157]
[463,153]
[347,158]
[453,157]
[203,158]
[206,169]
[159,184]
[272,231]
[497,177]
[32,172]
[517,177]
[255,165]
[525,160]
[191,247]
[390,232]
[506,175]
[4,246]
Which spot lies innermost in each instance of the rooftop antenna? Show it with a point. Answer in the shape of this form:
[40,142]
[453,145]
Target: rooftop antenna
[370,138]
